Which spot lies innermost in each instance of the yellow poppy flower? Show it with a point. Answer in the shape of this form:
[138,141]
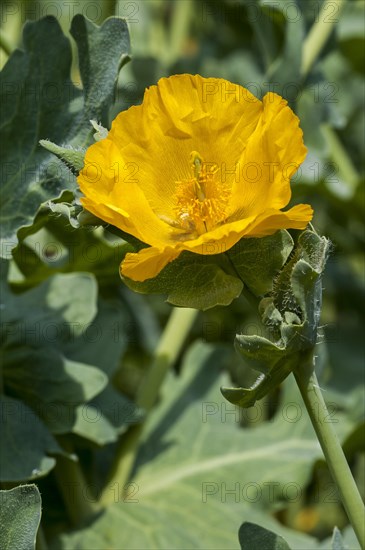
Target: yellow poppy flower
[199,165]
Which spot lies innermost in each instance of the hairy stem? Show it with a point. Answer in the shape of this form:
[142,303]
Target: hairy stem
[331,447]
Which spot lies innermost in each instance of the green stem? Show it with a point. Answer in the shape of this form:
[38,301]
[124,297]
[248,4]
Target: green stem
[319,34]
[79,501]
[331,447]
[169,347]
[167,351]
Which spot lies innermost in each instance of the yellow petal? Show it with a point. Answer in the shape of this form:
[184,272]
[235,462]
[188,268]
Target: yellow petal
[184,113]
[113,193]
[147,263]
[270,221]
[220,239]
[141,179]
[274,152]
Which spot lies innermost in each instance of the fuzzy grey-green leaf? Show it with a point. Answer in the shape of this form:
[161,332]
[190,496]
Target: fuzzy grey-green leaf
[72,158]
[40,102]
[337,540]
[252,536]
[20,514]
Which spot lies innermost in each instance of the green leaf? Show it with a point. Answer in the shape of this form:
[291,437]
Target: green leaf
[264,383]
[64,207]
[67,301]
[40,102]
[194,281]
[107,416]
[42,330]
[52,384]
[93,426]
[20,514]
[120,411]
[261,354]
[193,454]
[252,537]
[337,541]
[60,348]
[105,339]
[351,34]
[26,443]
[345,540]
[264,29]
[73,159]
[102,52]
[341,541]
[70,251]
[258,261]
[311,114]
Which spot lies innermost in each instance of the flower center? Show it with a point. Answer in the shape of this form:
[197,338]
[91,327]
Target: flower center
[202,200]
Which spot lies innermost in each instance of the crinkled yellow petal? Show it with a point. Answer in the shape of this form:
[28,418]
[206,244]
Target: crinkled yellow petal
[147,263]
[183,113]
[270,221]
[273,154]
[121,203]
[150,145]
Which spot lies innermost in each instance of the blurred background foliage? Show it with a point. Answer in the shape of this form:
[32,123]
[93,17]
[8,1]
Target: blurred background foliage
[260,44]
